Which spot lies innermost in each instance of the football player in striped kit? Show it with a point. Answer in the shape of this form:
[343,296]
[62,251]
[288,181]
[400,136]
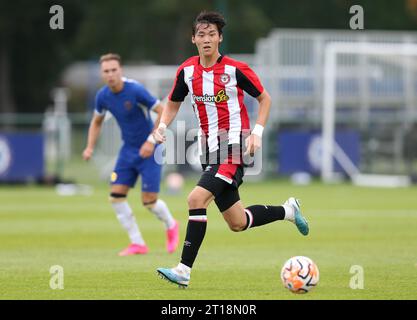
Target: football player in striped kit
[216,84]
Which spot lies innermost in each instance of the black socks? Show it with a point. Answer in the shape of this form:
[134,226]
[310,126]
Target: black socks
[196,230]
[259,215]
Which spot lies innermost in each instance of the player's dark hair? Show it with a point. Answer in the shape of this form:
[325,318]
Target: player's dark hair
[210,17]
[111,56]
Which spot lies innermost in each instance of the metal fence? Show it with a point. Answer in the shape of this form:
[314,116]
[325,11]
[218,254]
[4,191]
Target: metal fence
[292,65]
[375,95]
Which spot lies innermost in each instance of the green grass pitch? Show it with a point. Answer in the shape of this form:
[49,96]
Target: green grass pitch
[373,228]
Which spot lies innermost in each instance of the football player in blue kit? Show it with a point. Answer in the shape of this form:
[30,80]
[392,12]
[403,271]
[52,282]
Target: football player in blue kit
[130,104]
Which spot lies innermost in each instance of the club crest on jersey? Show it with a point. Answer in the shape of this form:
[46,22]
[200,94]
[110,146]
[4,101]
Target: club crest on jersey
[128,105]
[224,78]
[221,96]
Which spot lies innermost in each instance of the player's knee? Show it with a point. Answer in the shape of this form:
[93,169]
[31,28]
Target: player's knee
[117,197]
[194,201]
[149,201]
[149,204]
[236,227]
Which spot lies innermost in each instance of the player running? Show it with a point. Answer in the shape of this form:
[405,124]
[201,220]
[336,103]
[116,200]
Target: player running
[130,104]
[216,84]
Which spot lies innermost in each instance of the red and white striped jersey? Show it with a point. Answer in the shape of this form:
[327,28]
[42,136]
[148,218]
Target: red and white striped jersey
[217,98]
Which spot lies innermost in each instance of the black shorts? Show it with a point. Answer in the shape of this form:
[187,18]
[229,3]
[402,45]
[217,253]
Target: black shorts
[223,181]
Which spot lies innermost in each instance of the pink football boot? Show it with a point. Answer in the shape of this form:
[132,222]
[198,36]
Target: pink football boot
[134,248]
[172,238]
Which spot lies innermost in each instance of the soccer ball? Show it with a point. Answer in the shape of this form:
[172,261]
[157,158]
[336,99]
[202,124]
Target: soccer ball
[175,183]
[299,274]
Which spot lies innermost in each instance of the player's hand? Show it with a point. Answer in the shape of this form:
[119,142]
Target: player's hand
[252,143]
[159,133]
[88,153]
[147,149]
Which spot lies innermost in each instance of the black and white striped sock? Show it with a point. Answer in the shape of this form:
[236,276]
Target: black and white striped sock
[259,215]
[196,230]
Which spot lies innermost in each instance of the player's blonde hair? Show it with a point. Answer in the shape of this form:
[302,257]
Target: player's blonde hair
[111,56]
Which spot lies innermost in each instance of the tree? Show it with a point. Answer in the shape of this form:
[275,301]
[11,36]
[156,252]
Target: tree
[31,54]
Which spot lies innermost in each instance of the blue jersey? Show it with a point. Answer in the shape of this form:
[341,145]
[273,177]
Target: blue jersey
[131,108]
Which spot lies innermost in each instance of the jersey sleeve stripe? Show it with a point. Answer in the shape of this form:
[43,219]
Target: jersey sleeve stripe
[180,89]
[155,104]
[102,113]
[249,81]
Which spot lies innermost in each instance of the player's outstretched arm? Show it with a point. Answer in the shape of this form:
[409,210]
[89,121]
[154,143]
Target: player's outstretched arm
[264,100]
[168,114]
[254,141]
[93,134]
[148,147]
[158,110]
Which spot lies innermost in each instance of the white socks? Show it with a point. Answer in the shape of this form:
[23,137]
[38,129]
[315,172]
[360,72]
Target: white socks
[128,221]
[182,268]
[160,209]
[289,212]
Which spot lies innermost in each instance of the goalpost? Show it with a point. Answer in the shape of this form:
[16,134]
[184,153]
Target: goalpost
[330,149]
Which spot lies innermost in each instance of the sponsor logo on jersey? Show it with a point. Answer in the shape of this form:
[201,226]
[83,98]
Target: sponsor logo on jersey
[221,96]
